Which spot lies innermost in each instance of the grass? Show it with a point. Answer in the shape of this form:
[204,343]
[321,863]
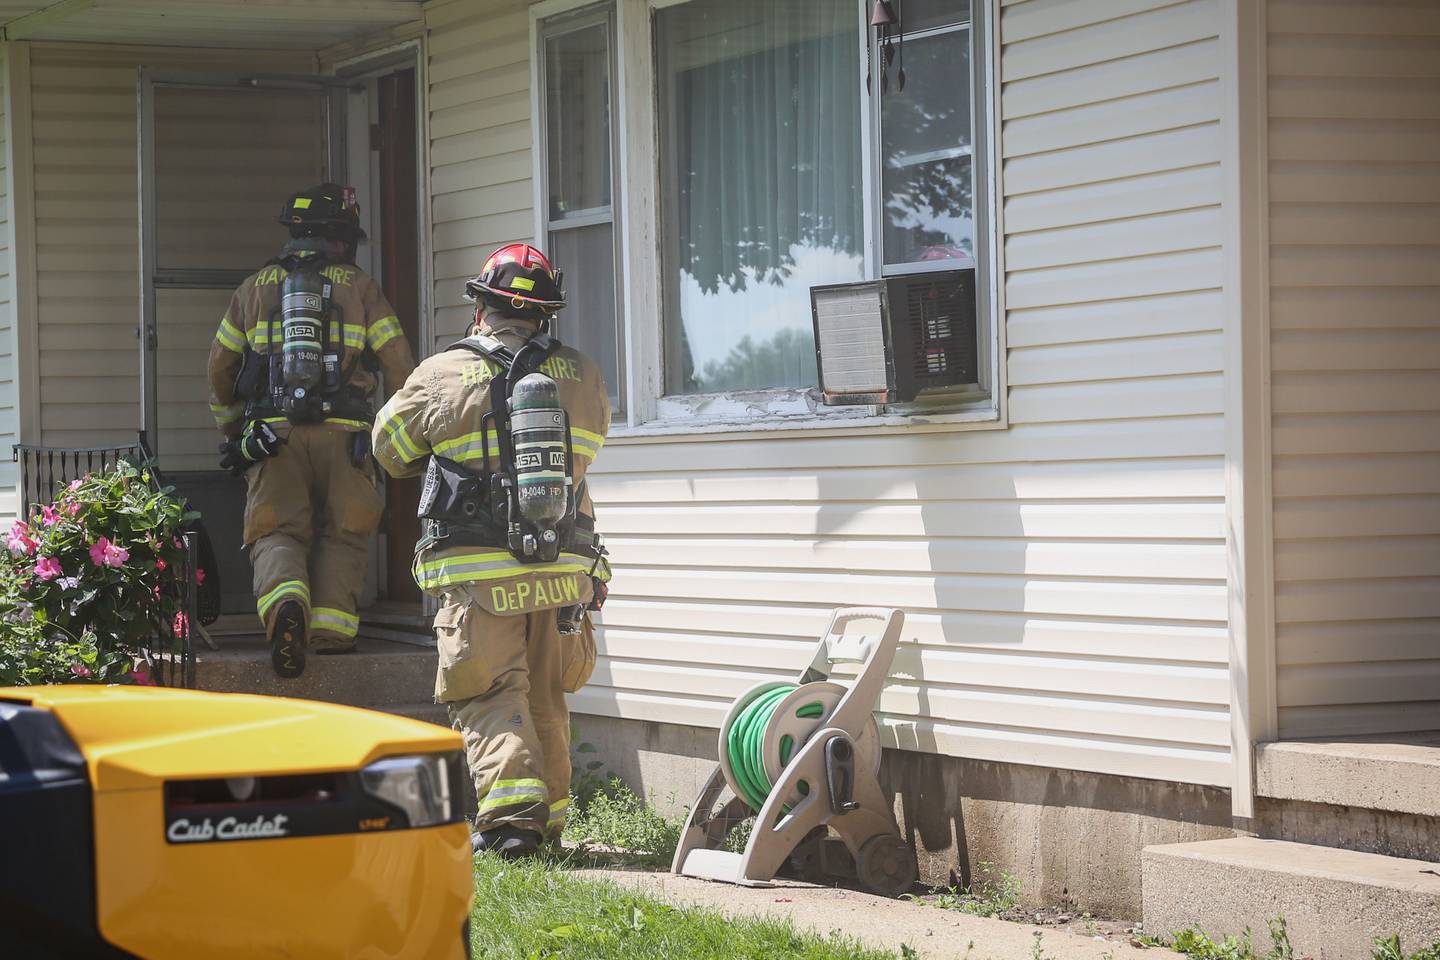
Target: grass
[535,910]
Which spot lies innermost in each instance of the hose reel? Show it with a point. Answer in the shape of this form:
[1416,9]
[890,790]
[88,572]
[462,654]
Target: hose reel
[804,758]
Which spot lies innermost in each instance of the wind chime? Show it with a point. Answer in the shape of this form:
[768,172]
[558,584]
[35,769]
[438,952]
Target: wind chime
[887,19]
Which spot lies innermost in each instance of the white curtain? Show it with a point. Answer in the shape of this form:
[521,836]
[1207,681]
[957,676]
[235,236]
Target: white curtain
[761,184]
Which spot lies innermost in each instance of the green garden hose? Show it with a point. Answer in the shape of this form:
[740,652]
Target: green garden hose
[745,741]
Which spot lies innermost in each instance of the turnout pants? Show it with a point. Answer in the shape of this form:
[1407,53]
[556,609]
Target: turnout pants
[308,520]
[504,680]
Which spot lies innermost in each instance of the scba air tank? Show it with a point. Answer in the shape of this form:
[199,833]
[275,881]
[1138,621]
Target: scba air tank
[538,433]
[302,311]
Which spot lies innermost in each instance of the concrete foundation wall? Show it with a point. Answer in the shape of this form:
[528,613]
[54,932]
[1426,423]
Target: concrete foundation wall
[1066,836]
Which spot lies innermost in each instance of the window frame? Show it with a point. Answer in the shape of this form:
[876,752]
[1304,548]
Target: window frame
[650,412]
[548,21]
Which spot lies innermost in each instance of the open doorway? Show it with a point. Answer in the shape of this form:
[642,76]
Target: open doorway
[217,155]
[385,162]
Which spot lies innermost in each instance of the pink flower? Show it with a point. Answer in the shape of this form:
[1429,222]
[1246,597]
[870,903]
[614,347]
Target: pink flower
[160,564]
[181,626]
[199,576]
[142,677]
[75,484]
[179,544]
[103,553]
[74,509]
[80,670]
[19,542]
[50,515]
[47,568]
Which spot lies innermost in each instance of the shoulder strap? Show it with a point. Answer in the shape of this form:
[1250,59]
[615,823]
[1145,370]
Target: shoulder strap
[527,359]
[486,346]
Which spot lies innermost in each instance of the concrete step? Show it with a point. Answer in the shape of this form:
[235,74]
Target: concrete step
[1336,902]
[379,675]
[1399,773]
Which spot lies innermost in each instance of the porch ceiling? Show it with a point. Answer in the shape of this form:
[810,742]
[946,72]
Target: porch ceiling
[246,24]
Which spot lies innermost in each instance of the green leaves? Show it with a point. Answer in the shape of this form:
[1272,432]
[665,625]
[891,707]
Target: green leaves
[616,819]
[91,579]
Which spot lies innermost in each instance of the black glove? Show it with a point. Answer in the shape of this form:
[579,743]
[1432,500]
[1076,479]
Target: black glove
[601,592]
[257,443]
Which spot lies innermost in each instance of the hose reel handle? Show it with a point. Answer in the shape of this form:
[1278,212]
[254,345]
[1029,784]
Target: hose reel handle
[875,653]
[840,774]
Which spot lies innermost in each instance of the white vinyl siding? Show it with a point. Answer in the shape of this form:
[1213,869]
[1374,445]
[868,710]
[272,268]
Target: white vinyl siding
[480,160]
[1354,183]
[1064,579]
[9,350]
[87,247]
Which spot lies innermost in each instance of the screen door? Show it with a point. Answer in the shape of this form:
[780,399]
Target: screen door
[218,156]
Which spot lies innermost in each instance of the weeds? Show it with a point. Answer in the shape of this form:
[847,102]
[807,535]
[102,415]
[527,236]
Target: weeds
[1280,948]
[1037,949]
[739,836]
[987,895]
[615,818]
[1197,944]
[1388,948]
[585,777]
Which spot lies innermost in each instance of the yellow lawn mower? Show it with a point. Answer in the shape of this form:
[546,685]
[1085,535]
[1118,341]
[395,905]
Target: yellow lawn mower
[161,823]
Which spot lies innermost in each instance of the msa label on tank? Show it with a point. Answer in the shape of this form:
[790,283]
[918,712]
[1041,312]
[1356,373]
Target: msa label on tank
[208,830]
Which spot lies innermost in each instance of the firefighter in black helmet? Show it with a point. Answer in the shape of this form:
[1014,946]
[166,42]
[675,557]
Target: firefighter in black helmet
[292,386]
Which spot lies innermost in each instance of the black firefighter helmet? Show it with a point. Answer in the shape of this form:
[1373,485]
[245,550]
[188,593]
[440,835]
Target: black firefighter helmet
[328,210]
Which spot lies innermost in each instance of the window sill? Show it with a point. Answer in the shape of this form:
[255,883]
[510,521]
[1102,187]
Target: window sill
[783,413]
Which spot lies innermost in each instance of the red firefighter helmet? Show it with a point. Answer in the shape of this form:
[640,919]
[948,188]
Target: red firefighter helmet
[519,281]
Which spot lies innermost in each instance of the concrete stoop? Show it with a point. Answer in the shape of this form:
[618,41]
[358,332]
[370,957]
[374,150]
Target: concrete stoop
[1335,902]
[1395,772]
[394,677]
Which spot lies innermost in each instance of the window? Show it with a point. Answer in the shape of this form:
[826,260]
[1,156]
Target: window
[578,89]
[760,150]
[776,169]
[926,165]
[763,166]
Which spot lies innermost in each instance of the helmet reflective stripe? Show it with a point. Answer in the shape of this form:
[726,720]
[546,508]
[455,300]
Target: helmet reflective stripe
[520,277]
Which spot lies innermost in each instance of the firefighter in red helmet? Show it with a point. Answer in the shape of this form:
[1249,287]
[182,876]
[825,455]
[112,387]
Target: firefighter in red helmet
[504,425]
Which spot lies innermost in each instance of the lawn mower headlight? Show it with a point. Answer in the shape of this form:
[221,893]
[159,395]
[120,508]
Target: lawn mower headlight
[420,786]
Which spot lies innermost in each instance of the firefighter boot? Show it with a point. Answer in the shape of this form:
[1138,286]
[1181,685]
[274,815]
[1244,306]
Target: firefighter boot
[511,843]
[287,640]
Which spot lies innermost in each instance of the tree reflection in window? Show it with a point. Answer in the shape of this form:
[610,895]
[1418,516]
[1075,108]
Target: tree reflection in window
[761,178]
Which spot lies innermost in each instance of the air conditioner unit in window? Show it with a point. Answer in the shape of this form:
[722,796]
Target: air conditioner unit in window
[884,341]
